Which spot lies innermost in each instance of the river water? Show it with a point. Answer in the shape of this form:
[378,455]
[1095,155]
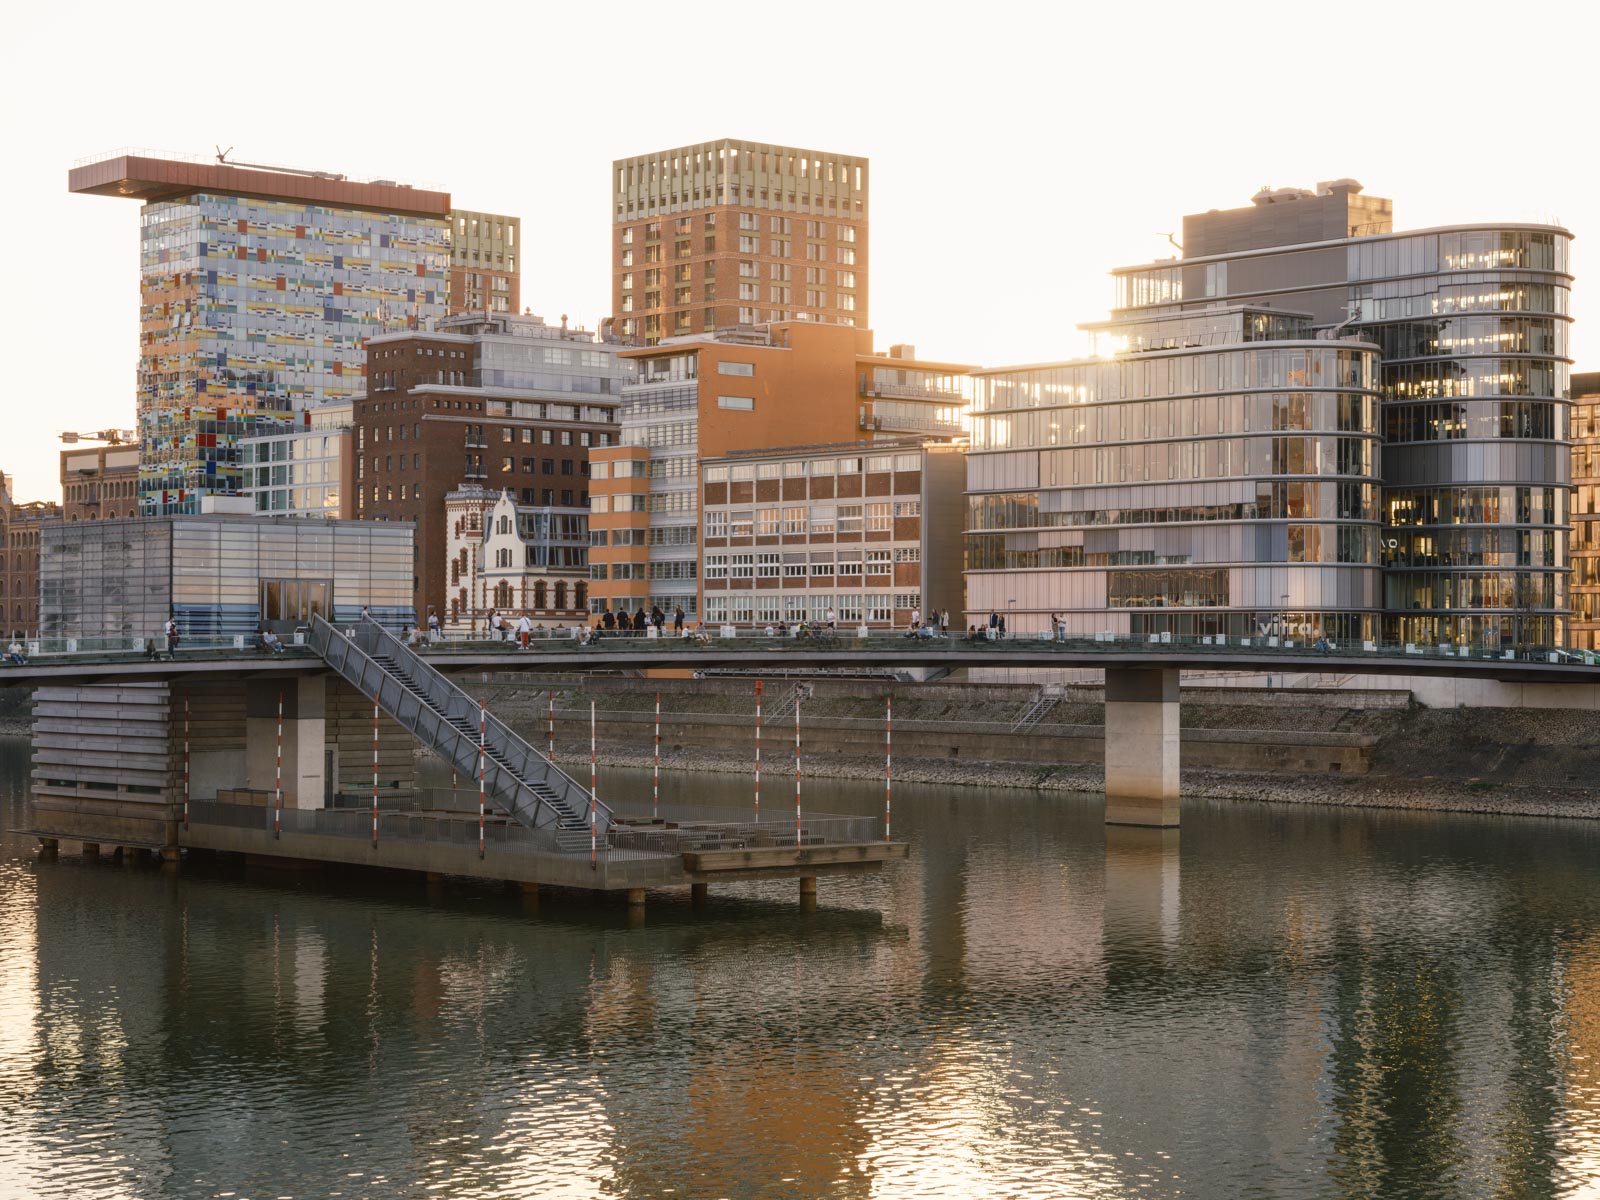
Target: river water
[1277,1002]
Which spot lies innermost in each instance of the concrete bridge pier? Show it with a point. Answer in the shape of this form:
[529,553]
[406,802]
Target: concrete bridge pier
[305,738]
[1142,746]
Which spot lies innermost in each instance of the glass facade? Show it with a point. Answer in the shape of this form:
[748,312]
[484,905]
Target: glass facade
[1584,596]
[1220,490]
[1472,326]
[219,575]
[295,472]
[253,307]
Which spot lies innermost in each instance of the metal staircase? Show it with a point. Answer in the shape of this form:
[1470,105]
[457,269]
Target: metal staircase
[785,704]
[518,779]
[1039,707]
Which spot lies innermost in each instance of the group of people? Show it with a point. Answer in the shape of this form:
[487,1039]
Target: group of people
[937,624]
[611,624]
[519,630]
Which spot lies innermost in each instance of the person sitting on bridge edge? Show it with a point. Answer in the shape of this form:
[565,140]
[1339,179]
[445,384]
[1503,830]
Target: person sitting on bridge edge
[14,654]
[272,642]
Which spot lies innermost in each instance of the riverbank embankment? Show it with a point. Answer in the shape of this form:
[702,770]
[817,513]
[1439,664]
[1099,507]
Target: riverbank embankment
[1372,748]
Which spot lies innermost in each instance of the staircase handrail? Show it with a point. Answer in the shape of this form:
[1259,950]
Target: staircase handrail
[527,761]
[527,766]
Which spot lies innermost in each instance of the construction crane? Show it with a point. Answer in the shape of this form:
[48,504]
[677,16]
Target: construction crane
[114,437]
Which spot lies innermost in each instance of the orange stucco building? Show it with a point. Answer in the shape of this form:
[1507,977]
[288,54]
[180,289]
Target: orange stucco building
[790,383]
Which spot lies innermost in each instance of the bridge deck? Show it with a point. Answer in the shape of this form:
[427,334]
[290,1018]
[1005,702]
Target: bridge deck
[844,655]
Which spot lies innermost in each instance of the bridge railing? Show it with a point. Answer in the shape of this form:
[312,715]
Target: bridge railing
[874,642]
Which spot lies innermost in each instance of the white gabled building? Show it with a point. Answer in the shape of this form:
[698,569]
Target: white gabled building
[511,559]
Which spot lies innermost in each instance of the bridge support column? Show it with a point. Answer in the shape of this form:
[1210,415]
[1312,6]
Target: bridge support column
[304,738]
[808,893]
[1142,746]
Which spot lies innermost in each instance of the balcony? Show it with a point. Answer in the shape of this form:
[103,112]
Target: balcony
[897,423]
[910,391]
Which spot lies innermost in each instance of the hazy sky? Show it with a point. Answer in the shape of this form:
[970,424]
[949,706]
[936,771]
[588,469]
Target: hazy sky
[1018,151]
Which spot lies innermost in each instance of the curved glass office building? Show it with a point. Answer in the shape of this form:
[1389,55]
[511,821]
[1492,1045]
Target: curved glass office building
[1472,325]
[1216,475]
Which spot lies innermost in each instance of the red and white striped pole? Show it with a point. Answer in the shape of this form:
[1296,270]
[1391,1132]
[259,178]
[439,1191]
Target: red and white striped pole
[797,771]
[888,763]
[758,749]
[593,841]
[186,762]
[655,783]
[277,811]
[552,728]
[483,727]
[374,773]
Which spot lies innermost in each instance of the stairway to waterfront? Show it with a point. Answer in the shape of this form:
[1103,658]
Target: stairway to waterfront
[518,779]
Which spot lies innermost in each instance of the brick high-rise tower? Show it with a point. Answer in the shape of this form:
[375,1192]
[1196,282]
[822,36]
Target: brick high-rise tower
[737,233]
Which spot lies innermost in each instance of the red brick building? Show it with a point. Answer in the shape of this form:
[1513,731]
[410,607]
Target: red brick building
[19,559]
[730,232]
[505,402]
[100,483]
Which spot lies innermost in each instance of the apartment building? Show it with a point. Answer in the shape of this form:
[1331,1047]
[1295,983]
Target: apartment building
[302,467]
[732,232]
[746,389]
[21,528]
[100,482]
[506,402]
[484,276]
[870,533]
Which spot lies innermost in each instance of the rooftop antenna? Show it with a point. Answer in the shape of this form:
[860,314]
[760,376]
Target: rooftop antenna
[222,155]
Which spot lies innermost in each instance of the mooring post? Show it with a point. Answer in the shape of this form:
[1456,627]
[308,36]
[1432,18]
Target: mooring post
[797,772]
[483,726]
[808,893]
[594,844]
[277,810]
[374,773]
[186,762]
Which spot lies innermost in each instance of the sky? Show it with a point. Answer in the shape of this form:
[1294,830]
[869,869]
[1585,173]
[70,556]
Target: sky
[1018,151]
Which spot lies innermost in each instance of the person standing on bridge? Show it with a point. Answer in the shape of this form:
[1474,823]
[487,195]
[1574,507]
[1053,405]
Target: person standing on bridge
[916,619]
[677,620]
[994,624]
[524,630]
[433,624]
[172,635]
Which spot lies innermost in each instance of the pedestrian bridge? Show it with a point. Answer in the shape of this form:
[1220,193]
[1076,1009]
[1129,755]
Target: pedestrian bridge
[412,685]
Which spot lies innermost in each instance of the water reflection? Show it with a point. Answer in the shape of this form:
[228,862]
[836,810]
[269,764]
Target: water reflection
[1276,1001]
